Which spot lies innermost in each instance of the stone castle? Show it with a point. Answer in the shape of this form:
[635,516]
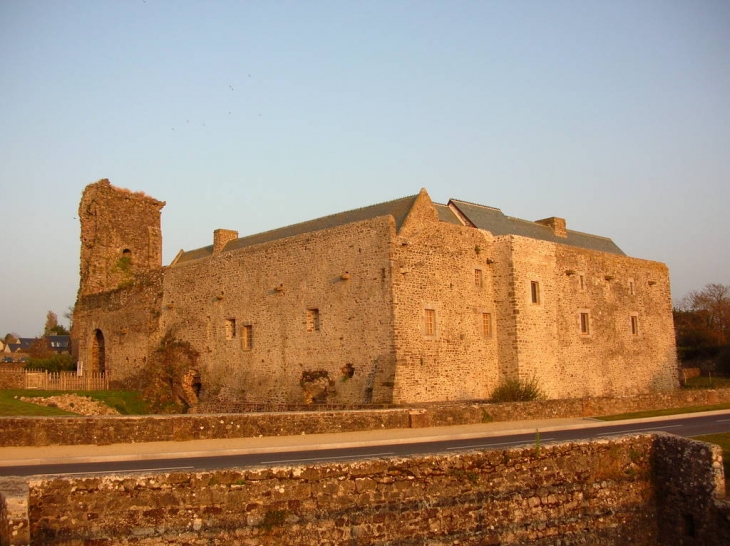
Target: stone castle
[402,302]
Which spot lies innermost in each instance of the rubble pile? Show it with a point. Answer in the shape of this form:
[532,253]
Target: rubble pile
[83,405]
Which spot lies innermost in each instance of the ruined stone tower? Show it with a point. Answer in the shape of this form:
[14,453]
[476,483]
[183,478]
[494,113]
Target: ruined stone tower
[120,236]
[121,244]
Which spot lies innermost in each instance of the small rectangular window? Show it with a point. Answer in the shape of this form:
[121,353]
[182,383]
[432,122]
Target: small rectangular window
[585,324]
[247,337]
[582,282]
[430,322]
[634,325]
[632,287]
[230,328]
[312,320]
[535,291]
[478,281]
[487,324]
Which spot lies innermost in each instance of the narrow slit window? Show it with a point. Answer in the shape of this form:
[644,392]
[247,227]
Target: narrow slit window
[487,324]
[430,322]
[585,324]
[478,280]
[535,292]
[634,325]
[230,328]
[312,320]
[582,282]
[632,287]
[247,337]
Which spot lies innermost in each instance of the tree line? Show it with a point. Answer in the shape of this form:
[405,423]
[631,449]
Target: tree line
[702,326]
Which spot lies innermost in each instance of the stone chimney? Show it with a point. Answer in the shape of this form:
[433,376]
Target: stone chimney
[556,224]
[221,237]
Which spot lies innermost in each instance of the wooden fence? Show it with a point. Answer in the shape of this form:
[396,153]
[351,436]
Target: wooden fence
[64,381]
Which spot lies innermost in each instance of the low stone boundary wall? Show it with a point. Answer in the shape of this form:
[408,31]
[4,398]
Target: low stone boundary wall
[103,430]
[11,377]
[14,519]
[443,415]
[690,483]
[642,489]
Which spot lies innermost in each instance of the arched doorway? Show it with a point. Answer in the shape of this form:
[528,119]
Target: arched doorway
[98,353]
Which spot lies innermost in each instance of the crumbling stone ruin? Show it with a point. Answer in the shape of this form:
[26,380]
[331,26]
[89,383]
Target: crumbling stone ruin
[401,302]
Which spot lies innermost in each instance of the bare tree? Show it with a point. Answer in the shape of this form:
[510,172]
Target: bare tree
[710,308]
[69,315]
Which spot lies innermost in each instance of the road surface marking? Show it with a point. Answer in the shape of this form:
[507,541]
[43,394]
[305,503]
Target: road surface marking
[326,458]
[637,430]
[118,470]
[526,441]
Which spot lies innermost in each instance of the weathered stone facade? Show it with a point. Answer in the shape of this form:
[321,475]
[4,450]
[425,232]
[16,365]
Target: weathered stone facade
[643,490]
[402,302]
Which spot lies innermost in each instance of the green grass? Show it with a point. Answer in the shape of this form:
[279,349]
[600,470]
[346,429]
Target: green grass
[707,383]
[125,402]
[662,412]
[9,406]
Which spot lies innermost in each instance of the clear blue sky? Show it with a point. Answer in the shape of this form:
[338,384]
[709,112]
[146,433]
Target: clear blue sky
[251,115]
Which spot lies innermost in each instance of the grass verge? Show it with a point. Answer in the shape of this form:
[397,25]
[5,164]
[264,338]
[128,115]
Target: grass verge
[662,412]
[125,402]
[707,383]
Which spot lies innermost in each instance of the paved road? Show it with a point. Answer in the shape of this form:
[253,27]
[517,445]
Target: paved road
[241,453]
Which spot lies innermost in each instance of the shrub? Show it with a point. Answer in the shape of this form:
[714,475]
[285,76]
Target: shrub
[55,363]
[170,381]
[517,390]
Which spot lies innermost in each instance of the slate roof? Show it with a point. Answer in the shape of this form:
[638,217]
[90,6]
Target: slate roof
[58,344]
[24,343]
[55,343]
[497,223]
[447,215]
[397,208]
[482,217]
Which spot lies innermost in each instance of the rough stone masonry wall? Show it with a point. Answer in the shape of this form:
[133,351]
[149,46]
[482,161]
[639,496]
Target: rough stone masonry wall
[341,274]
[582,493]
[435,265]
[128,319]
[121,261]
[14,521]
[103,430]
[617,288]
[120,236]
[689,479]
[609,359]
[536,331]
[36,431]
[12,378]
